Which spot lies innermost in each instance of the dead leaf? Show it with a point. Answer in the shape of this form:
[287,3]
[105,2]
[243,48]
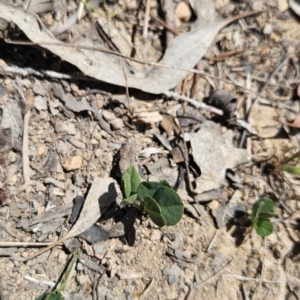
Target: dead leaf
[49,164]
[214,153]
[102,194]
[108,67]
[169,125]
[129,153]
[189,116]
[218,211]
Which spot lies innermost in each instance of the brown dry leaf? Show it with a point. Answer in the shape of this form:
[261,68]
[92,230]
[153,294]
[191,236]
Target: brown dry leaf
[110,67]
[93,208]
[169,125]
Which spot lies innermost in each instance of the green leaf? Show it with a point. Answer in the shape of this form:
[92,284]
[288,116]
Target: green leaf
[55,295]
[263,227]
[290,169]
[264,208]
[130,181]
[154,211]
[170,204]
[147,189]
[129,201]
[262,211]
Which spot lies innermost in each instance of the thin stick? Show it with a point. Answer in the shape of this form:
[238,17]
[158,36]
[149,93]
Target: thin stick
[25,154]
[23,244]
[158,20]
[146,22]
[248,107]
[212,240]
[40,282]
[244,278]
[194,102]
[147,289]
[215,275]
[52,74]
[25,150]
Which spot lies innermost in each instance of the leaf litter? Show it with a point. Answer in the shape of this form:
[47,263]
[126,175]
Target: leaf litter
[106,131]
[91,61]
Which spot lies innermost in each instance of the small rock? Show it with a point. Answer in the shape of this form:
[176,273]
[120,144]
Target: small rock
[172,274]
[73,163]
[69,128]
[12,156]
[24,254]
[108,116]
[74,88]
[79,267]
[75,142]
[72,244]
[283,5]
[98,152]
[41,150]
[156,235]
[78,180]
[220,4]
[183,12]
[40,187]
[213,204]
[117,123]
[268,29]
[99,249]
[40,88]
[40,103]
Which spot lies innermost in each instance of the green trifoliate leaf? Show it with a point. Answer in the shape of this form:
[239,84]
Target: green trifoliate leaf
[147,189]
[170,204]
[154,212]
[264,208]
[262,211]
[263,227]
[130,181]
[129,201]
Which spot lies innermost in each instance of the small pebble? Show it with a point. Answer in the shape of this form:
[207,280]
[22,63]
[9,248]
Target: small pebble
[183,12]
[24,254]
[73,163]
[40,103]
[268,29]
[98,152]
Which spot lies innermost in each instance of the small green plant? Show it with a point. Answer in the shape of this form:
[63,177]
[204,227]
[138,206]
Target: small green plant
[157,199]
[57,293]
[262,211]
[290,164]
